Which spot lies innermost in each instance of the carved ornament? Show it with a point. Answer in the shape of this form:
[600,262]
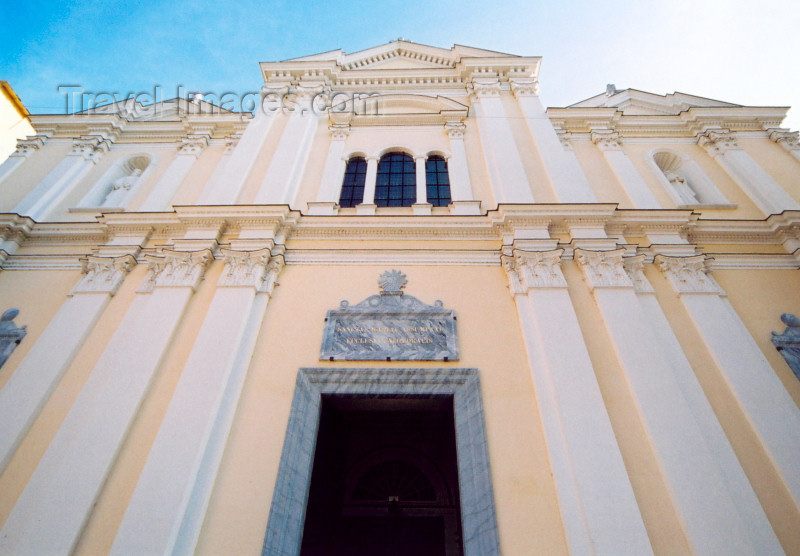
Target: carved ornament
[90,147]
[29,145]
[607,140]
[717,141]
[534,269]
[604,269]
[256,269]
[176,269]
[103,274]
[634,267]
[455,130]
[525,87]
[688,274]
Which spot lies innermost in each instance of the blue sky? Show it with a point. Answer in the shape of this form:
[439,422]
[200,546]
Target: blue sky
[739,51]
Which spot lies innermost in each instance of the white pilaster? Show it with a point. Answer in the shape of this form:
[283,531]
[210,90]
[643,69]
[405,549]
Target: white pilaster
[282,180]
[765,192]
[215,189]
[175,485]
[52,510]
[757,389]
[29,388]
[369,180]
[25,148]
[161,196]
[509,182]
[709,489]
[330,188]
[610,144]
[586,462]
[86,151]
[244,155]
[566,175]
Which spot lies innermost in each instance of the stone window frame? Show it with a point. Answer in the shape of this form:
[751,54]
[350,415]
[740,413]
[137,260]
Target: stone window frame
[284,532]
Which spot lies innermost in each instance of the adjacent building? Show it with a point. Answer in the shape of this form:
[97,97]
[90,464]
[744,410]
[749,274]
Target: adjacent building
[402,306]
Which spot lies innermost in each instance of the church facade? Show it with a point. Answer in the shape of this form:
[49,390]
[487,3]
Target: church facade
[402,308]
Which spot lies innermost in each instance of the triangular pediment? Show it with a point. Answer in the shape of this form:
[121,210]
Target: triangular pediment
[402,55]
[633,102]
[167,110]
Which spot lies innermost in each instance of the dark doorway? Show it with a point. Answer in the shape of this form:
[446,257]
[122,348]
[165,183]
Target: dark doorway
[385,479]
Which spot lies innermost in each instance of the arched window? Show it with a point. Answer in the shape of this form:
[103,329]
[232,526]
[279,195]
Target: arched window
[353,184]
[396,182]
[437,181]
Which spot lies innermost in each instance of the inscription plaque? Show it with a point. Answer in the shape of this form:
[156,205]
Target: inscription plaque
[390,326]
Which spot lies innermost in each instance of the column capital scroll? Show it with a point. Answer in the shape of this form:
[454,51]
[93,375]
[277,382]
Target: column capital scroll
[455,130]
[603,269]
[606,140]
[339,132]
[634,267]
[688,274]
[193,144]
[525,87]
[484,88]
[789,140]
[103,274]
[534,269]
[29,145]
[717,141]
[249,269]
[176,269]
[90,147]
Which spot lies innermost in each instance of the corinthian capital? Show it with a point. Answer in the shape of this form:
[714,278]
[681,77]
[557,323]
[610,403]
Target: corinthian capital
[534,269]
[485,87]
[606,140]
[339,132]
[603,269]
[688,274]
[634,267]
[193,144]
[245,268]
[455,130]
[789,140]
[525,87]
[717,141]
[90,147]
[29,145]
[103,274]
[175,269]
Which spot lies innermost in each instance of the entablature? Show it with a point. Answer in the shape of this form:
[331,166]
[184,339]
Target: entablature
[444,239]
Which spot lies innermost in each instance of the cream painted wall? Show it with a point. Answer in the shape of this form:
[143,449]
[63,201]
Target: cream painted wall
[772,494]
[290,338]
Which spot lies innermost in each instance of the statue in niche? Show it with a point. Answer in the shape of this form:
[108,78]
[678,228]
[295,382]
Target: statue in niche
[121,187]
[682,187]
[788,343]
[10,334]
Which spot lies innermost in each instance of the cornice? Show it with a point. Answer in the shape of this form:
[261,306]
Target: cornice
[457,257]
[688,123]
[120,130]
[522,226]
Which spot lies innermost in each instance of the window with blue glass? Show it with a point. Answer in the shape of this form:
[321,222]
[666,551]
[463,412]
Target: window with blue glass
[437,181]
[396,182]
[353,183]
